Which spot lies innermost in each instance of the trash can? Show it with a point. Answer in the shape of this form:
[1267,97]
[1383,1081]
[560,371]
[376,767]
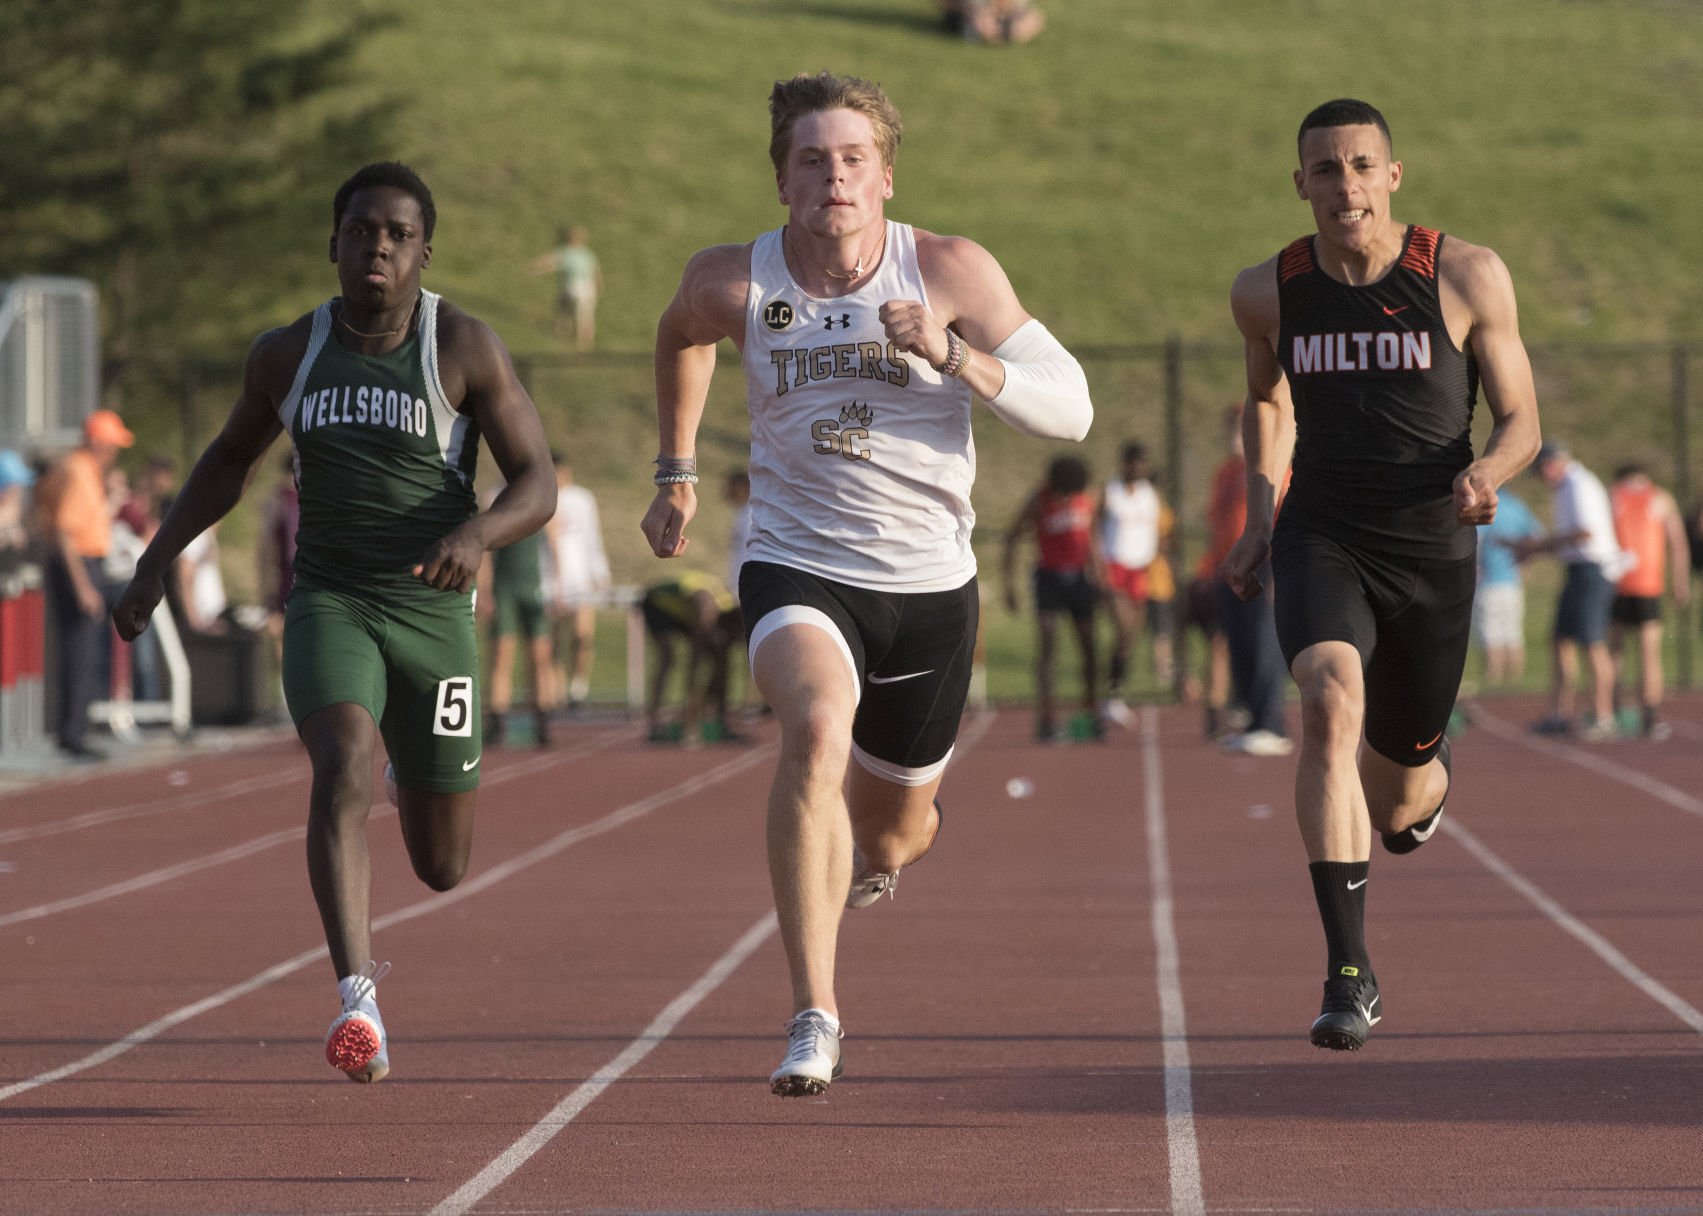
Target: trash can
[229,676]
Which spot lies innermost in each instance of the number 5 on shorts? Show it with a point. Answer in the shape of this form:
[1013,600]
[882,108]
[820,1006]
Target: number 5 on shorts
[454,714]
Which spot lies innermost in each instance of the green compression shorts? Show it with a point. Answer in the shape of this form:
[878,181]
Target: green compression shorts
[413,667]
[520,613]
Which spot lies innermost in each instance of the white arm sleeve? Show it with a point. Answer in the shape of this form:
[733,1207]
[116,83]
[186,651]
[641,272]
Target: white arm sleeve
[1045,393]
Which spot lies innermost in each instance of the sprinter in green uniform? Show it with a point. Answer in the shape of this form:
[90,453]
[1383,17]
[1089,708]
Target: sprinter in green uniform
[511,597]
[385,392]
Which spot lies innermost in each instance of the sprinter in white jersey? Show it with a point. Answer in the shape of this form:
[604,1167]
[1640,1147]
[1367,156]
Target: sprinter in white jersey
[862,342]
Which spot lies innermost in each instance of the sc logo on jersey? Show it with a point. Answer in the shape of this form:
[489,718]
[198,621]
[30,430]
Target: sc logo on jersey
[777,315]
[841,435]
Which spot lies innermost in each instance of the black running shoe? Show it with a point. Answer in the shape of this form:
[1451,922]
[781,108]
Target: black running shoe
[1416,834]
[1350,1010]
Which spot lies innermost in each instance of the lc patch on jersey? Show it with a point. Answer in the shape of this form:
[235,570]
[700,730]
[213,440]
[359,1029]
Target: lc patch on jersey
[778,314]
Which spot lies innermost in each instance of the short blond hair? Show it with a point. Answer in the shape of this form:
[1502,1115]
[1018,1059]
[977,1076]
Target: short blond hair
[805,94]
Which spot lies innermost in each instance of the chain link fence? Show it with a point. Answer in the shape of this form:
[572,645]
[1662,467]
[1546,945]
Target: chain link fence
[1614,403]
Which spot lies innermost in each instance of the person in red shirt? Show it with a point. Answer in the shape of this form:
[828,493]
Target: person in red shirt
[1647,524]
[1060,517]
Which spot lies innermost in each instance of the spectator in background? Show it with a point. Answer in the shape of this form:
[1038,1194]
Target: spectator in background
[577,576]
[511,597]
[738,495]
[140,514]
[1060,517]
[1200,612]
[1583,538]
[1647,525]
[280,516]
[1134,528]
[142,511]
[1250,625]
[996,21]
[698,609]
[80,520]
[201,585]
[1499,607]
[579,284]
[16,477]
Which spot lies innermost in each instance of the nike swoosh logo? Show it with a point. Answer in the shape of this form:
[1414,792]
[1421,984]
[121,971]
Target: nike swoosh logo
[1390,312]
[1419,747]
[1424,834]
[895,679]
[471,763]
[1355,886]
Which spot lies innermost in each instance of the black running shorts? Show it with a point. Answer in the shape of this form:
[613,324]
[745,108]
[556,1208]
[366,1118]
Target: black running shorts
[1410,619]
[1066,591]
[1635,610]
[910,654]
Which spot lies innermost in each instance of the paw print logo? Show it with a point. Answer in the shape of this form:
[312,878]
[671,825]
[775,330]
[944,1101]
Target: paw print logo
[857,413]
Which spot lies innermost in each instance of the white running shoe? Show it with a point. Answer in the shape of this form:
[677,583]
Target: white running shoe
[868,885]
[1118,713]
[1260,743]
[355,1044]
[812,1056]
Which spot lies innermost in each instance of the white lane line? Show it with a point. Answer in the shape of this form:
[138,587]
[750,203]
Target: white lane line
[1186,1196]
[473,886]
[237,852]
[1597,943]
[153,878]
[137,810]
[1591,760]
[565,1111]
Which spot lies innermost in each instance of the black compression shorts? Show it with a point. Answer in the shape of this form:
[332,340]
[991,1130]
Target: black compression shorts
[1410,619]
[910,651]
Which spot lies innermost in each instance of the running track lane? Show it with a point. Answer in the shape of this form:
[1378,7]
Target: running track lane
[993,1056]
[199,1147]
[706,861]
[1517,1068]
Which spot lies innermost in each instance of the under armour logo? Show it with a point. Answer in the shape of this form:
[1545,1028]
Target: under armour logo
[844,321]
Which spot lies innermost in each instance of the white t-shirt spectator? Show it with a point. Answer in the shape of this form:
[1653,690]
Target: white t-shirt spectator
[1582,505]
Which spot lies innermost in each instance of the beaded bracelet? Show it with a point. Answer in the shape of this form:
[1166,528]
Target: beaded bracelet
[676,471]
[957,356]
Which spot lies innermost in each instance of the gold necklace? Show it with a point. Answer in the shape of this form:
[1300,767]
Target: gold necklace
[383,333]
[843,276]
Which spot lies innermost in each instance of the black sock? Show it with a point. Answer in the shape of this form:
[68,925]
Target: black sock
[1340,888]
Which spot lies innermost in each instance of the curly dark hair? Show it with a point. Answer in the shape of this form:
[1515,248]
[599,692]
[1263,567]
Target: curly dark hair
[385,173]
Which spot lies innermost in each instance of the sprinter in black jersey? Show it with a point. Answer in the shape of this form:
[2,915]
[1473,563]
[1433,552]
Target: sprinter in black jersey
[1365,346]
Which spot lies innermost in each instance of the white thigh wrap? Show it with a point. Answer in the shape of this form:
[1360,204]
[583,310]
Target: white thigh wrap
[1045,393]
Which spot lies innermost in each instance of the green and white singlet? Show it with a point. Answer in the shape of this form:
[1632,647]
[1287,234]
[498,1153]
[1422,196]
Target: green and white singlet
[385,467]
[384,462]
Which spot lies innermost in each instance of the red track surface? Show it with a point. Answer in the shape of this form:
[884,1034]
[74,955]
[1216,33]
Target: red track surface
[1541,962]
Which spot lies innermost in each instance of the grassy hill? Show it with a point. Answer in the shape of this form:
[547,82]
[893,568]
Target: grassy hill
[1123,168]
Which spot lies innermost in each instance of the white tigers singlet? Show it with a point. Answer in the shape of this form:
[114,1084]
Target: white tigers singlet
[861,456]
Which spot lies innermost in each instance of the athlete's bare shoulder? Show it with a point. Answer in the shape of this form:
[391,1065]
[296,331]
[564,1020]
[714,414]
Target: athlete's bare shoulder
[473,363]
[952,254]
[463,336]
[1254,300]
[1476,275]
[714,287]
[967,285]
[275,354]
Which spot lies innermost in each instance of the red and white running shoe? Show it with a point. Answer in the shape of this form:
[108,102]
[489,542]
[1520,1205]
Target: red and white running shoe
[355,1044]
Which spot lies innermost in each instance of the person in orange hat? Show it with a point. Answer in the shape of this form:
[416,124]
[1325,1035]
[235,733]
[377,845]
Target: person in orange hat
[80,532]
